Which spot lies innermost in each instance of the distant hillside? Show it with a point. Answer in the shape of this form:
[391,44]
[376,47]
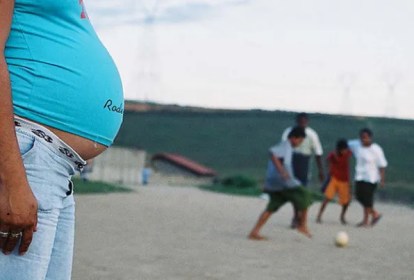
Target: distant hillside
[137,106]
[236,142]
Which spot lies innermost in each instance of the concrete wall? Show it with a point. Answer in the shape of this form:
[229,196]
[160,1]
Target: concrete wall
[118,165]
[124,166]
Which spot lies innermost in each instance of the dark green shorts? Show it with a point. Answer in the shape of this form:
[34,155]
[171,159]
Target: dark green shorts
[300,197]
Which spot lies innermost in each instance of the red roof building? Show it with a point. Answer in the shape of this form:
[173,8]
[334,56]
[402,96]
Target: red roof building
[175,164]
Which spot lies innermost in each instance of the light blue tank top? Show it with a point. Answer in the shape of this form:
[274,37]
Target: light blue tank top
[61,74]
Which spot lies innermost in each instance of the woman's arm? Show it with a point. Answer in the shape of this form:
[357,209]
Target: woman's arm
[18,206]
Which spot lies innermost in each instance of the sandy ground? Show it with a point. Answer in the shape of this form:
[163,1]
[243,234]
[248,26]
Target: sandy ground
[173,233]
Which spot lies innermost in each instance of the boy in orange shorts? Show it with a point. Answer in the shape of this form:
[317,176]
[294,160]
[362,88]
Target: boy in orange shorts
[338,179]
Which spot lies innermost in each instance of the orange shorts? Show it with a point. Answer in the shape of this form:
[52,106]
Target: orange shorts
[341,188]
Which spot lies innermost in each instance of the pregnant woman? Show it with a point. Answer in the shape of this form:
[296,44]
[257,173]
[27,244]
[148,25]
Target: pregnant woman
[61,103]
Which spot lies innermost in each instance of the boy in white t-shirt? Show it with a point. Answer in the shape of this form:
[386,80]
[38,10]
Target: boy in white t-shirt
[311,145]
[302,154]
[369,171]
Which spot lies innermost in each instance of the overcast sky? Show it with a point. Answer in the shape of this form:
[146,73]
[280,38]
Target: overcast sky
[350,56]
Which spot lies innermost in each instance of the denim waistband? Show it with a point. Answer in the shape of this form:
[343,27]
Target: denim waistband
[52,140]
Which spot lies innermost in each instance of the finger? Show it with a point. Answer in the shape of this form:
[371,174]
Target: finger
[27,238]
[4,234]
[11,242]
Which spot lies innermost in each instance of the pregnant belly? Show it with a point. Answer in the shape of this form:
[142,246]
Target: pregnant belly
[86,148]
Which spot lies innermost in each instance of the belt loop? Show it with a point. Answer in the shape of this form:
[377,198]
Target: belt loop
[70,186]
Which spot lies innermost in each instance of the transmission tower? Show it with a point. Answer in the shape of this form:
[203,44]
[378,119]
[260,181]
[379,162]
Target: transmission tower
[391,82]
[146,77]
[347,80]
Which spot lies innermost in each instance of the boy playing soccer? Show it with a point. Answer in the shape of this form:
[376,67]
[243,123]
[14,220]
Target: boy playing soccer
[282,186]
[338,179]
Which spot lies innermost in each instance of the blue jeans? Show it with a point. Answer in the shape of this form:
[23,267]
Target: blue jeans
[49,171]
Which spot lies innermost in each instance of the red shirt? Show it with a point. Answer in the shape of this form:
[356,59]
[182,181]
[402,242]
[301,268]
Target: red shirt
[339,165]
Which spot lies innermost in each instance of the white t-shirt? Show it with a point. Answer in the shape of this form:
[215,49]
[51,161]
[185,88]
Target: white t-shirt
[310,145]
[368,161]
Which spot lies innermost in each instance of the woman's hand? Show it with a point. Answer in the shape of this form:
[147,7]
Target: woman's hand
[18,215]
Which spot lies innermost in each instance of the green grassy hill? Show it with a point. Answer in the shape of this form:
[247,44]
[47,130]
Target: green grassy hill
[236,142]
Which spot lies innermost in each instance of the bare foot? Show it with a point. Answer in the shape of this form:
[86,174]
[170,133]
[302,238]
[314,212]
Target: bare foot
[376,219]
[319,220]
[304,231]
[256,237]
[362,224]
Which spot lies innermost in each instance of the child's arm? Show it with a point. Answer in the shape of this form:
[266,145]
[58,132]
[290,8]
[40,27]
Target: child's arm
[279,166]
[382,164]
[319,164]
[382,174]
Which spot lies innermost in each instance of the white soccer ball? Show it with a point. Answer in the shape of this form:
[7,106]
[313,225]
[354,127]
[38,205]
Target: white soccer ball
[341,239]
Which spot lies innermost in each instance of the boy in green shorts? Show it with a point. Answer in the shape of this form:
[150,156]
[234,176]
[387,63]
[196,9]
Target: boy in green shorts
[282,186]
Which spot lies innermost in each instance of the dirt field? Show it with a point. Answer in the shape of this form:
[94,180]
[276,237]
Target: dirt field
[178,233]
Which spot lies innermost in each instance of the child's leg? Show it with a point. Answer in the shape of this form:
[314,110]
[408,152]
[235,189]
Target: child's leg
[303,223]
[255,233]
[375,216]
[343,212]
[302,199]
[365,194]
[295,218]
[323,205]
[330,192]
[344,194]
[275,202]
[364,222]
[367,211]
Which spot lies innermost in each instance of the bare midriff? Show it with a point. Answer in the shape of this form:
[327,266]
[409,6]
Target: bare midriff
[86,148]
